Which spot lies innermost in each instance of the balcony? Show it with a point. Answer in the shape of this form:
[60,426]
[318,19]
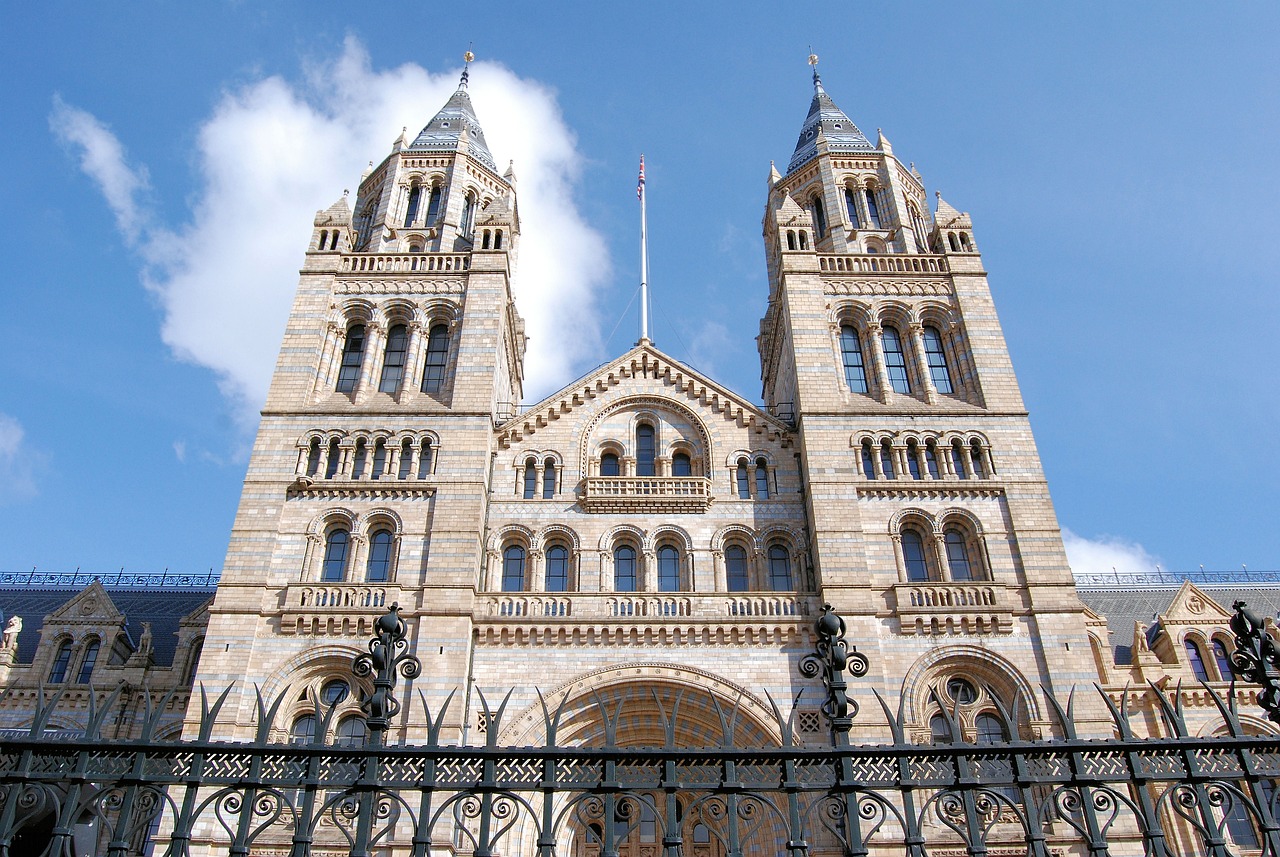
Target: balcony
[579,606]
[948,607]
[404,263]
[882,263]
[335,609]
[630,494]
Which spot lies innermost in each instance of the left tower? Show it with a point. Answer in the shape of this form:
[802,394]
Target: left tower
[368,480]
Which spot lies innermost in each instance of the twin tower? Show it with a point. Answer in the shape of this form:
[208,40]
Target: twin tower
[645,528]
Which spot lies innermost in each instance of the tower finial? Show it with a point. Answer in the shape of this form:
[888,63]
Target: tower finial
[813,61]
[466,66]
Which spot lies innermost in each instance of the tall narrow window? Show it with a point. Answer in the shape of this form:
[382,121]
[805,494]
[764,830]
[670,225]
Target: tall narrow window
[335,556]
[979,463]
[939,730]
[762,479]
[931,458]
[358,460]
[1196,659]
[937,360]
[873,210]
[335,459]
[744,486]
[868,465]
[819,216]
[957,460]
[548,480]
[681,464]
[303,730]
[411,211]
[437,358]
[644,450]
[886,460]
[467,226]
[530,479]
[913,459]
[313,457]
[895,361]
[957,555]
[352,357]
[424,458]
[433,205]
[379,567]
[855,371]
[58,674]
[624,568]
[1223,660]
[917,226]
[88,662]
[779,568]
[851,206]
[913,556]
[513,569]
[668,569]
[735,567]
[988,729]
[557,569]
[609,464]
[351,732]
[406,459]
[393,359]
[379,458]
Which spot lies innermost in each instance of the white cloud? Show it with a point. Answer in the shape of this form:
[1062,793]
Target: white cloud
[709,343]
[1106,553]
[102,158]
[273,152]
[17,462]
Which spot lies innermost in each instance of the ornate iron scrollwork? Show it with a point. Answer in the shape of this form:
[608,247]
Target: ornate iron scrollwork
[832,657]
[1257,658]
[388,654]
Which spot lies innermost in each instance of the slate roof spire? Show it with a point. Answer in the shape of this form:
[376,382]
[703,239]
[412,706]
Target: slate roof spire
[445,130]
[828,122]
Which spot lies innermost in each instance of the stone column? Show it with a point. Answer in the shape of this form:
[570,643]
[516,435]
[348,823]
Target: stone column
[916,332]
[718,571]
[535,581]
[355,571]
[897,557]
[412,383]
[491,582]
[647,572]
[939,545]
[878,365]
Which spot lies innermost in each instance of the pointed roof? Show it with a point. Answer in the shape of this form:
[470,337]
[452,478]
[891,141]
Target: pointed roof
[829,122]
[444,132]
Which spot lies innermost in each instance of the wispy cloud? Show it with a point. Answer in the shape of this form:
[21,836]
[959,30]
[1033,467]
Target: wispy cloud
[1105,554]
[274,151]
[17,462]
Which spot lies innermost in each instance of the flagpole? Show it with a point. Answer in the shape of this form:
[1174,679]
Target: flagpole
[644,259]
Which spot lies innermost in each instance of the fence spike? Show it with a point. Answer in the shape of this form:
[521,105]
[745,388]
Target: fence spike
[209,715]
[45,710]
[895,723]
[1172,716]
[786,727]
[1065,716]
[1119,716]
[93,729]
[266,718]
[153,721]
[435,724]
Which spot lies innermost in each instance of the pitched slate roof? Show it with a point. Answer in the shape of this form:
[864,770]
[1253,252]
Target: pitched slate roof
[829,122]
[444,131]
[164,609]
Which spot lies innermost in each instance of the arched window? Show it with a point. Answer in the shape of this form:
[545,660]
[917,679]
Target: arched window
[855,371]
[762,479]
[557,578]
[303,730]
[989,729]
[975,454]
[779,568]
[352,357]
[379,458]
[433,205]
[886,460]
[668,569]
[467,225]
[681,464]
[931,458]
[804,240]
[379,567]
[437,358]
[393,359]
[819,215]
[313,457]
[737,577]
[744,486]
[424,458]
[644,450]
[358,460]
[193,661]
[335,458]
[530,479]
[351,732]
[88,662]
[957,460]
[873,210]
[939,730]
[497,239]
[895,361]
[791,240]
[624,568]
[334,691]
[335,556]
[913,459]
[406,459]
[513,569]
[1223,660]
[609,464]
[868,464]
[913,556]
[411,211]
[548,480]
[957,555]
[964,242]
[937,360]
[951,240]
[1196,659]
[851,206]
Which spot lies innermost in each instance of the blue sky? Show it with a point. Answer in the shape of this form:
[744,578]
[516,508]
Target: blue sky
[164,160]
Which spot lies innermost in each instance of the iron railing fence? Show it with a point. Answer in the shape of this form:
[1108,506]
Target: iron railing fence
[1174,795]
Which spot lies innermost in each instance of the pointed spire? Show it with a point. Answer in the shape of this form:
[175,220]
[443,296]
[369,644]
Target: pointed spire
[827,120]
[455,121]
[510,174]
[774,175]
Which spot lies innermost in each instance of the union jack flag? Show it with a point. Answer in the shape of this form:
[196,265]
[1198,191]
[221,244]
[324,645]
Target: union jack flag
[640,183]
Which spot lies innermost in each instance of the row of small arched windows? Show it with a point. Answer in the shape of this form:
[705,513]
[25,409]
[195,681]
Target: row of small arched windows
[533,478]
[923,461]
[394,359]
[855,360]
[328,240]
[646,459]
[406,460]
[752,479]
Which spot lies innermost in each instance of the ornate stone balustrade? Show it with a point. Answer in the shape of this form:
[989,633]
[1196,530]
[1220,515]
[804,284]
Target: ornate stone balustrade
[646,494]
[943,607]
[335,608]
[403,263]
[882,263]
[641,605]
